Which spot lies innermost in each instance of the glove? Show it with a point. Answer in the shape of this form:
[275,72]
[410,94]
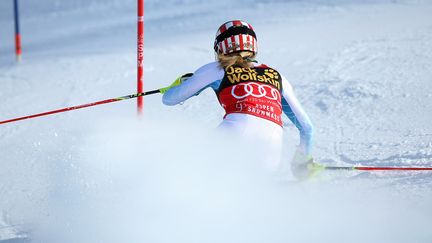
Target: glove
[301,164]
[177,82]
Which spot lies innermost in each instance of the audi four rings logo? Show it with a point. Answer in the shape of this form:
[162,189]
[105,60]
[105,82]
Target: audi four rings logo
[255,90]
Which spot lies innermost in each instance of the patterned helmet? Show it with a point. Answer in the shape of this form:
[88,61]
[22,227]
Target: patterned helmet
[235,36]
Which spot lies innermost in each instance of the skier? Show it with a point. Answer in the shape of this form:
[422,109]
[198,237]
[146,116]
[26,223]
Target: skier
[253,95]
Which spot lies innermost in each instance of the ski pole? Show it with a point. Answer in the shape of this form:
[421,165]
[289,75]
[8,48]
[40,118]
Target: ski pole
[126,97]
[316,166]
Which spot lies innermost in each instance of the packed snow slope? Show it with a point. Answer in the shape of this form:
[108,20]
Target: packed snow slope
[361,69]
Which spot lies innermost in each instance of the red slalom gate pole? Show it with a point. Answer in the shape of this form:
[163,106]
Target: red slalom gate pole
[83,106]
[140,55]
[18,50]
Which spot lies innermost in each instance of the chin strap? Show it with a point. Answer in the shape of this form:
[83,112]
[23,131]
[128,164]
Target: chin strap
[248,59]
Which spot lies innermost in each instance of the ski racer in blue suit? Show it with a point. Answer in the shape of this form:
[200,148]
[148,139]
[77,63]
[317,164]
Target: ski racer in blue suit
[253,95]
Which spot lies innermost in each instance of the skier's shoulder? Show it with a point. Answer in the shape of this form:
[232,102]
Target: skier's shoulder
[208,74]
[274,70]
[268,69]
[210,67]
[263,66]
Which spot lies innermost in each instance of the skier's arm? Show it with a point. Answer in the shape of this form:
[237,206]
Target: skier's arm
[293,109]
[202,78]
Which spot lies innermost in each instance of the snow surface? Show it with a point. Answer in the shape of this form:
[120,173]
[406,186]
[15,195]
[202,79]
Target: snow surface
[362,70]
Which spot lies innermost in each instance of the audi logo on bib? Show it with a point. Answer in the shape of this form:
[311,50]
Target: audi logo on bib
[243,90]
[253,98]
[254,91]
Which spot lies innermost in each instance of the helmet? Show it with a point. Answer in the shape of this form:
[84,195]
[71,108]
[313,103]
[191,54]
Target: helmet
[235,36]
